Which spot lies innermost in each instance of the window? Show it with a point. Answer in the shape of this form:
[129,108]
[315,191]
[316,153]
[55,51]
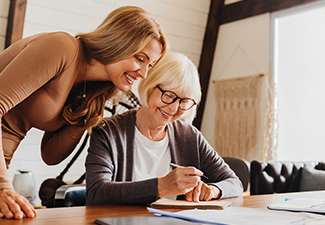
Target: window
[299,75]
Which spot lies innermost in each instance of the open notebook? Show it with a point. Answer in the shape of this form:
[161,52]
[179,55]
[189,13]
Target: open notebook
[165,203]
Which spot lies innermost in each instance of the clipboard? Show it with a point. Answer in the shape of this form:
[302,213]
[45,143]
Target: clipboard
[165,203]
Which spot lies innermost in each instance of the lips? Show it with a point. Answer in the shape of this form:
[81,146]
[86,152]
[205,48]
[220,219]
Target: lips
[129,79]
[165,114]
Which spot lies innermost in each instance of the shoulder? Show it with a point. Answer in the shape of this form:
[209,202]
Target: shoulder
[55,44]
[56,40]
[120,122]
[182,128]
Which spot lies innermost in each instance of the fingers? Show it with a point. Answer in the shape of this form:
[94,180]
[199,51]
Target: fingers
[26,207]
[194,194]
[13,205]
[6,211]
[178,181]
[202,192]
[192,171]
[206,193]
[197,192]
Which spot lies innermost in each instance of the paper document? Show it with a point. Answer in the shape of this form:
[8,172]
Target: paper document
[243,216]
[165,203]
[300,205]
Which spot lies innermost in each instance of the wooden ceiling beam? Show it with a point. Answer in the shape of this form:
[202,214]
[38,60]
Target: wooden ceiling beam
[248,8]
[16,21]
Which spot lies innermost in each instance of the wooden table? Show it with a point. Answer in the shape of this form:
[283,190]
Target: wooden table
[88,214]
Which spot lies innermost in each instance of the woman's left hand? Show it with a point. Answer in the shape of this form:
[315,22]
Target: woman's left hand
[203,192]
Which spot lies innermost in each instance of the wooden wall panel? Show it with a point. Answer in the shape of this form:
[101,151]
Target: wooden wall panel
[16,20]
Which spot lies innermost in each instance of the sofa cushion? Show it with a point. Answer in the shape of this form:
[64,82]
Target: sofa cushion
[268,177]
[312,179]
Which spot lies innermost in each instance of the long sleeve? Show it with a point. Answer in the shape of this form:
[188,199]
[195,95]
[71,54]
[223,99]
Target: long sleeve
[58,145]
[109,166]
[192,149]
[28,69]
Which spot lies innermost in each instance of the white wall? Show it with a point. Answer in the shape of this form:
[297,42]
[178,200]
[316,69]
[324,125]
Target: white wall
[183,20]
[251,39]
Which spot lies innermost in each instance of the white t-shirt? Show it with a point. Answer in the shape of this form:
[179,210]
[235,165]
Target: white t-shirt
[151,158]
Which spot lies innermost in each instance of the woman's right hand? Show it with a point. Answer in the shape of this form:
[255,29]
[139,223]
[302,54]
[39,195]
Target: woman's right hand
[179,181]
[14,205]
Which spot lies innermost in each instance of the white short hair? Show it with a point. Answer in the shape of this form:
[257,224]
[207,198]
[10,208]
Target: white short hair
[177,72]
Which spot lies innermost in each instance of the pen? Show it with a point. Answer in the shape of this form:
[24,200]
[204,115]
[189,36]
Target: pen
[177,166]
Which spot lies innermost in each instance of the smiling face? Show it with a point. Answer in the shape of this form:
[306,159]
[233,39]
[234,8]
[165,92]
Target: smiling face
[125,72]
[160,114]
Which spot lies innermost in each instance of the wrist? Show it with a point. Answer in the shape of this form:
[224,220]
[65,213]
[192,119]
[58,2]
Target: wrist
[161,192]
[216,192]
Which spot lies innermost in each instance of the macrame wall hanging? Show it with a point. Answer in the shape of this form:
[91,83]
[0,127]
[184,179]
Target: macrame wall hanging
[238,112]
[237,116]
[270,132]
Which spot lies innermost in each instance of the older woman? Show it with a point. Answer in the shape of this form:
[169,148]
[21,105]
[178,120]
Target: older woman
[130,155]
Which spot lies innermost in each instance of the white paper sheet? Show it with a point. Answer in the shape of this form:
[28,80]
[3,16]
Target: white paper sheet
[244,216]
[300,205]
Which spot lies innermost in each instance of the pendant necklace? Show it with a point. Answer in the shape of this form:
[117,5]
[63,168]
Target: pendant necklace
[84,94]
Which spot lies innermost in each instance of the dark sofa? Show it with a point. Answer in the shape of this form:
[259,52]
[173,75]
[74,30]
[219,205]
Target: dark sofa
[268,177]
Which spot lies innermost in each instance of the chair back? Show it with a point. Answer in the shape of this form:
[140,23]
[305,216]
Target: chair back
[241,167]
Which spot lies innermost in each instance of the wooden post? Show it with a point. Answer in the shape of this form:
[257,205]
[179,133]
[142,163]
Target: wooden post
[16,21]
[206,61]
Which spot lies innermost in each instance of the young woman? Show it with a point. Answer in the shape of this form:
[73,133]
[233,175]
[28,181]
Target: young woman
[59,84]
[130,156]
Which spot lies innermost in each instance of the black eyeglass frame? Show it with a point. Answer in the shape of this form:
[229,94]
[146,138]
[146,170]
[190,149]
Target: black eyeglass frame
[175,99]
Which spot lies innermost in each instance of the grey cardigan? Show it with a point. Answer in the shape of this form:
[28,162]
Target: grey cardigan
[109,163]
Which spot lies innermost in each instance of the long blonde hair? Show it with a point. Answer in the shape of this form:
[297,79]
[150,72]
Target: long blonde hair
[123,33]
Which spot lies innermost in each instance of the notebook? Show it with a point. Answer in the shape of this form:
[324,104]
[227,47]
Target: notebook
[142,220]
[300,205]
[165,203]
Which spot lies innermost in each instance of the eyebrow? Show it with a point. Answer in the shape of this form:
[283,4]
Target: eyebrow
[145,55]
[149,57]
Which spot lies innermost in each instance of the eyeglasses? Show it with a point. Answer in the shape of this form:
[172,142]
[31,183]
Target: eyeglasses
[169,97]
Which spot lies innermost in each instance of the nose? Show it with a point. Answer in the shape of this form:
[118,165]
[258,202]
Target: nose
[143,71]
[175,105]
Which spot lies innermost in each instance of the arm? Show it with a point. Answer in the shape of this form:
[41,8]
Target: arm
[58,145]
[219,173]
[194,149]
[107,168]
[24,68]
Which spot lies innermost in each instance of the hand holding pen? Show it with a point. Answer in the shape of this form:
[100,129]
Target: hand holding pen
[178,166]
[201,192]
[186,180]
